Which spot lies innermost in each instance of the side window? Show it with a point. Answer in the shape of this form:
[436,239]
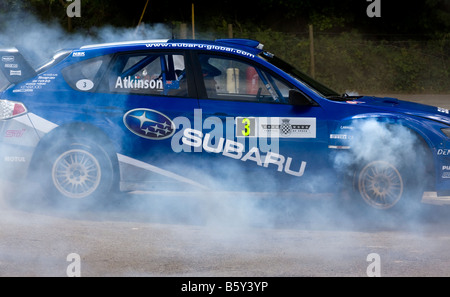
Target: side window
[231,79]
[149,74]
[83,76]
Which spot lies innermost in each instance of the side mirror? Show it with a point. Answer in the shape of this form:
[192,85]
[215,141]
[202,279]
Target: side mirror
[299,99]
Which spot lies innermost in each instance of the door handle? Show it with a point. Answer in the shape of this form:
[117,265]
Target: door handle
[220,114]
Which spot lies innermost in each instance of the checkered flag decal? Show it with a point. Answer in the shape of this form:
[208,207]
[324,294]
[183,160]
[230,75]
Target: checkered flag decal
[286,127]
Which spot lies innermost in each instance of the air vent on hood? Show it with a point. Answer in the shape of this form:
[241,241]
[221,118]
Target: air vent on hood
[392,101]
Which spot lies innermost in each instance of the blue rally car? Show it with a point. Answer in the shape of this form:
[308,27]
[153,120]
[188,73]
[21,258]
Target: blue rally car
[218,116]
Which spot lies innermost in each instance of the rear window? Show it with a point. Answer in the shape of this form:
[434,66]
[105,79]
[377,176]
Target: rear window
[84,75]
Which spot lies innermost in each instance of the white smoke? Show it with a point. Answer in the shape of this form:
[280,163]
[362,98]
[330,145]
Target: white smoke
[38,41]
[374,140]
[352,93]
[227,218]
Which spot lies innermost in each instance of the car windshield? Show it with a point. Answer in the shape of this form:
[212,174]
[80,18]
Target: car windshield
[299,75]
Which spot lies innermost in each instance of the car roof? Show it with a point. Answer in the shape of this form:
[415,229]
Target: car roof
[248,45]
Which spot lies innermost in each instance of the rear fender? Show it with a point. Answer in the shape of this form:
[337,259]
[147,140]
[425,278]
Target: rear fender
[77,131]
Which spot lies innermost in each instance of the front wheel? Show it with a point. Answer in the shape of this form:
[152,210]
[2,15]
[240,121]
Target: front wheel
[380,184]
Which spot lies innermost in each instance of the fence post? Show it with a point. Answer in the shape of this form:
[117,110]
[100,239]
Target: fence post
[183,31]
[230,30]
[193,22]
[311,51]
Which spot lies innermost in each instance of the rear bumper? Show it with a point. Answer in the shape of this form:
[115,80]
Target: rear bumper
[18,140]
[433,198]
[14,162]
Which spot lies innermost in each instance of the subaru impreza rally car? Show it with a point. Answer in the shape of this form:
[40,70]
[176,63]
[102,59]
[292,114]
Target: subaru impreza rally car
[199,115]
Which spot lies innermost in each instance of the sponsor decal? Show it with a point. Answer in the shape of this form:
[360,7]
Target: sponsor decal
[84,84]
[446,167]
[7,59]
[78,54]
[11,65]
[22,90]
[15,72]
[149,123]
[218,128]
[276,127]
[220,48]
[446,174]
[339,147]
[443,152]
[347,127]
[235,150]
[443,110]
[287,127]
[14,133]
[340,136]
[14,159]
[37,83]
[133,83]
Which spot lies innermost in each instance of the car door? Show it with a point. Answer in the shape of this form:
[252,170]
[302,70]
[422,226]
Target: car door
[153,96]
[268,144]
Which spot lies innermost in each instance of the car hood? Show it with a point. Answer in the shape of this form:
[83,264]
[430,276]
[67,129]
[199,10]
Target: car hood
[395,105]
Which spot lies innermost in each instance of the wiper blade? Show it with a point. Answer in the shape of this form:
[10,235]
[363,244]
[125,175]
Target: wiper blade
[343,97]
[336,97]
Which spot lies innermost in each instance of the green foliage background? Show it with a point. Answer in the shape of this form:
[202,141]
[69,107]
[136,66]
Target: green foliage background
[350,62]
[407,50]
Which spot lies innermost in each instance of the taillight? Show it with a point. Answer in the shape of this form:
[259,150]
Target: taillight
[9,109]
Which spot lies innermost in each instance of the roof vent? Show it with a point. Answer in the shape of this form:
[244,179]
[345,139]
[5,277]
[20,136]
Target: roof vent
[243,42]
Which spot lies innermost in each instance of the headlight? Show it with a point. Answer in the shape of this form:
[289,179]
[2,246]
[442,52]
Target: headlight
[9,109]
[446,131]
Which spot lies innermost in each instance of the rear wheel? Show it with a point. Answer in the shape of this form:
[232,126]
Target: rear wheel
[76,173]
[79,172]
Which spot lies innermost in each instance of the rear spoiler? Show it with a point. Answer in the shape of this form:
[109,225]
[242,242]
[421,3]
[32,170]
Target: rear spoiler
[14,66]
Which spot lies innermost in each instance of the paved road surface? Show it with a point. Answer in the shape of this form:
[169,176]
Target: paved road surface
[154,236]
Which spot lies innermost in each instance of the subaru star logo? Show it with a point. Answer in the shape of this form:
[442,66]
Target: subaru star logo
[148,123]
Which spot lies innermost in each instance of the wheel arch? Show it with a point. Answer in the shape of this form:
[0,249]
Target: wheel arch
[413,125]
[78,130]
[424,143]
[396,147]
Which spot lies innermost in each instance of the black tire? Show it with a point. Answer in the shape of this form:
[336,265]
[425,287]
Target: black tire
[384,187]
[390,167]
